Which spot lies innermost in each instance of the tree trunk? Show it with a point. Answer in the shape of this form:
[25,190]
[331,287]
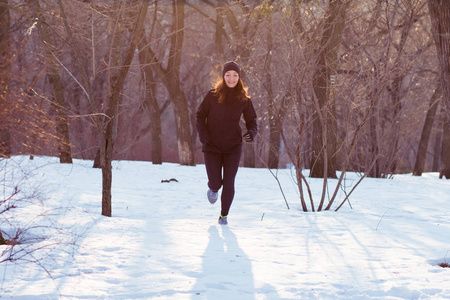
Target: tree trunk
[5,142]
[107,137]
[445,151]
[249,155]
[324,116]
[80,62]
[437,152]
[97,159]
[274,122]
[437,142]
[426,132]
[440,27]
[171,79]
[320,141]
[182,123]
[151,102]
[106,152]
[62,123]
[220,31]
[2,239]
[54,78]
[374,149]
[180,107]
[391,160]
[5,73]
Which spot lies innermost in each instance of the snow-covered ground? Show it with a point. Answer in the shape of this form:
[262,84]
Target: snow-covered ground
[163,241]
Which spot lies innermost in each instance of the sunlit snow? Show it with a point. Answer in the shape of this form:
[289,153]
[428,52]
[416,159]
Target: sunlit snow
[163,241]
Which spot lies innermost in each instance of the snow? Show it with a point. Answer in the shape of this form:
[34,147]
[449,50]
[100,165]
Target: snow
[163,241]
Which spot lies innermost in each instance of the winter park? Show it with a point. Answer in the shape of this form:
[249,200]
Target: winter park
[163,241]
[206,149]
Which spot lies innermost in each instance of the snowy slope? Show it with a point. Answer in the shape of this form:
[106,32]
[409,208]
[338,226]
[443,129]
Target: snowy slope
[163,241]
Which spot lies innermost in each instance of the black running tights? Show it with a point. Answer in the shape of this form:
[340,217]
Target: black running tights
[228,163]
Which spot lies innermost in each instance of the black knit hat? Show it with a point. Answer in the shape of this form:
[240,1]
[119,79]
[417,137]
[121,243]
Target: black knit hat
[231,65]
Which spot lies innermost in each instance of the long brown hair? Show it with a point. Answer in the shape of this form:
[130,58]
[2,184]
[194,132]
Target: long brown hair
[221,89]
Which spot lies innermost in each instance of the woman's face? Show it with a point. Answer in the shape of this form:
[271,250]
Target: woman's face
[231,78]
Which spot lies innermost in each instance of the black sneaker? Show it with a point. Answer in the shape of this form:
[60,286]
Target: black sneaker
[212,196]
[223,220]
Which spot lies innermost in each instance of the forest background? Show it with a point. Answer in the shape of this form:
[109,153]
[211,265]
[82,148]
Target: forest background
[337,85]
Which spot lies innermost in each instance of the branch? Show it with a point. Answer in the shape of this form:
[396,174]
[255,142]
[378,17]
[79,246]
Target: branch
[78,57]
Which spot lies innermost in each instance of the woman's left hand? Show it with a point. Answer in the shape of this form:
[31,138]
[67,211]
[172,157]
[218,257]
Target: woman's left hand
[248,137]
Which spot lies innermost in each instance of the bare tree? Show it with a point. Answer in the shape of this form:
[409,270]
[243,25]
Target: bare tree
[106,145]
[324,119]
[151,101]
[440,24]
[5,72]
[437,141]
[106,121]
[170,76]
[275,119]
[54,78]
[26,124]
[384,58]
[426,132]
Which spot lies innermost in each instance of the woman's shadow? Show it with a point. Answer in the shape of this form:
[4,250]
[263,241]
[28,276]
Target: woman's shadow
[226,269]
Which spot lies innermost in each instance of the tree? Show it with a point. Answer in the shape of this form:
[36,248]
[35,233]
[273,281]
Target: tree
[106,120]
[412,11]
[170,76]
[5,72]
[277,101]
[324,119]
[151,101]
[308,74]
[107,137]
[275,120]
[54,78]
[387,60]
[5,69]
[426,132]
[440,23]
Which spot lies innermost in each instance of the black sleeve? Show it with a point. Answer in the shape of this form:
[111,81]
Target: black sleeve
[250,118]
[201,119]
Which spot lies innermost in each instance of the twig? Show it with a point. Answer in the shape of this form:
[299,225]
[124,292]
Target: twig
[71,75]
[382,218]
[281,189]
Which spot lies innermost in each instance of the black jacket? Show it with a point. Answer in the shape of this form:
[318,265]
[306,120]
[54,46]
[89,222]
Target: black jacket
[218,123]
